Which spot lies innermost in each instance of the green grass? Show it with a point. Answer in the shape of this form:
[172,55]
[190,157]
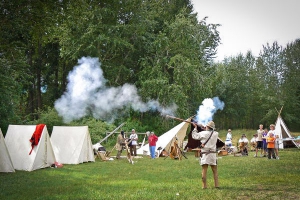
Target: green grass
[239,177]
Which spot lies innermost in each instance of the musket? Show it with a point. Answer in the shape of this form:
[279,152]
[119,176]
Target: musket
[112,132]
[183,120]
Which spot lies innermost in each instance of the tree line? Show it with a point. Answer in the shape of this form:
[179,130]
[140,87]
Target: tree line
[159,46]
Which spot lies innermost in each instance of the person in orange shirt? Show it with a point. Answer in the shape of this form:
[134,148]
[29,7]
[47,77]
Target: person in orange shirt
[271,145]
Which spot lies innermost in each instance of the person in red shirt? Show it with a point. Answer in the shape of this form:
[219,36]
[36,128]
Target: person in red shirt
[152,144]
[271,145]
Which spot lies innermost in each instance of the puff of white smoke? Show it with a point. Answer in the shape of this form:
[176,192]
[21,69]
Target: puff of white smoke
[207,110]
[87,94]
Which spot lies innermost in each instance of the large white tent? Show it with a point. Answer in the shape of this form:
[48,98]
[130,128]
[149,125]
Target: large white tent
[72,144]
[285,138]
[167,140]
[5,160]
[18,145]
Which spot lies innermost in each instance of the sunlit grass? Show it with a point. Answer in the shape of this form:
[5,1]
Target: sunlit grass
[240,178]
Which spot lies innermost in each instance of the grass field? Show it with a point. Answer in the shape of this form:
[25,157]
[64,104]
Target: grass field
[240,178]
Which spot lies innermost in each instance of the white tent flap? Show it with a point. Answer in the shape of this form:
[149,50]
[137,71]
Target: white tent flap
[72,144]
[6,164]
[283,132]
[18,144]
[165,140]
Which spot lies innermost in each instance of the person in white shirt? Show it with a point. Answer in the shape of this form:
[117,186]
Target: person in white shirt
[228,141]
[208,140]
[259,141]
[272,130]
[134,138]
[243,145]
[253,142]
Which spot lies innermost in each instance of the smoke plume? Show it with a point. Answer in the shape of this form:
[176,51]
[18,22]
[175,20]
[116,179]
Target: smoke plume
[207,110]
[87,94]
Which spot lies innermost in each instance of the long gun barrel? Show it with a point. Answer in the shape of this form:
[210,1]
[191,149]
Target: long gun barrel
[178,119]
[183,120]
[112,132]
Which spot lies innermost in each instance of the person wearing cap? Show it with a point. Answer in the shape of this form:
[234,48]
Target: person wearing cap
[120,143]
[208,139]
[134,138]
[152,144]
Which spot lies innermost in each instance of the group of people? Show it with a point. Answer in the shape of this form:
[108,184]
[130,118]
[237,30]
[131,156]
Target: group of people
[132,143]
[208,138]
[265,141]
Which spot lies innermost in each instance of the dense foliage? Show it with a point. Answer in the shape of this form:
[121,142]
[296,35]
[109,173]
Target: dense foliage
[158,46]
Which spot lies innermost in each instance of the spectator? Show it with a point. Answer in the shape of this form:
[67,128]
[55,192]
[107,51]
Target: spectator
[259,143]
[271,145]
[228,141]
[276,147]
[152,144]
[134,138]
[265,148]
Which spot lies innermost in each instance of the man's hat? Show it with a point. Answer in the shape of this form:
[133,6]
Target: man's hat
[211,124]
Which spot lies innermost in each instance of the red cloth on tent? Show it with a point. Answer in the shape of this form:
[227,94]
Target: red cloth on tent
[35,138]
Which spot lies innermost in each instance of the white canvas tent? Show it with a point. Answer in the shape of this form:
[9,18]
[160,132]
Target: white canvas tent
[18,145]
[72,144]
[5,160]
[284,133]
[167,140]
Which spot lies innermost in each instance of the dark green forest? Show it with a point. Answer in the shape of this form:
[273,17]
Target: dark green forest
[158,46]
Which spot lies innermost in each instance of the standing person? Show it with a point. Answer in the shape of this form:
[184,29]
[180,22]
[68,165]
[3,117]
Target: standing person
[276,147]
[134,138]
[208,139]
[265,148]
[148,134]
[271,145]
[259,143]
[152,144]
[120,143]
[228,141]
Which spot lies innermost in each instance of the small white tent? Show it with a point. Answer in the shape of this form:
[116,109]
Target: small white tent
[167,140]
[5,160]
[18,145]
[284,134]
[72,144]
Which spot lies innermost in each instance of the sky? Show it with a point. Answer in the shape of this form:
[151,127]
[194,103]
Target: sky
[248,25]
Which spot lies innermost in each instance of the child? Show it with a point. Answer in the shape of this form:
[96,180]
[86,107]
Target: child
[265,133]
[271,145]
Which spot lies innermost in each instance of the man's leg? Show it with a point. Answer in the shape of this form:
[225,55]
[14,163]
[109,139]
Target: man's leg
[204,173]
[134,149]
[215,172]
[131,150]
[119,154]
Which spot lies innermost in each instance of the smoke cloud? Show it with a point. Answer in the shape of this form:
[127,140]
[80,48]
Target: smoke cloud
[207,110]
[87,94]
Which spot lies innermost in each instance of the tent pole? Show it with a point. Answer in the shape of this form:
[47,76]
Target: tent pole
[112,132]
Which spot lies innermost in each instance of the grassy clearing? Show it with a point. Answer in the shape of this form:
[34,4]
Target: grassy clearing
[240,178]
